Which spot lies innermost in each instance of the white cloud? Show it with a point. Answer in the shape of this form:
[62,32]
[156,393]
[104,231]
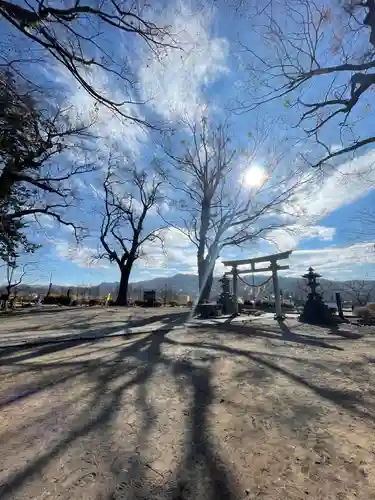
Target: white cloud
[82,256]
[333,261]
[109,128]
[335,188]
[178,254]
[175,82]
[321,194]
[177,249]
[289,238]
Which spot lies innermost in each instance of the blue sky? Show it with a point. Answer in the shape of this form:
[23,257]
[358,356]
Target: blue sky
[207,78]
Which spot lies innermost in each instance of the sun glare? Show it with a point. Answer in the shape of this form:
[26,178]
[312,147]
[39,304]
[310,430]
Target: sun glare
[255,176]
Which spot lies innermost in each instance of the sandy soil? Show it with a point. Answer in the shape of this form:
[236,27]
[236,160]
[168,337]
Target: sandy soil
[229,412]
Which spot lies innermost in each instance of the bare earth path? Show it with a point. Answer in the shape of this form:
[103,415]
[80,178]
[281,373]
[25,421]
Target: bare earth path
[223,412]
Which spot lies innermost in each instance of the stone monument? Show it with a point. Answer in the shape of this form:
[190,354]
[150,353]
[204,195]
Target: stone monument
[315,311]
[226,298]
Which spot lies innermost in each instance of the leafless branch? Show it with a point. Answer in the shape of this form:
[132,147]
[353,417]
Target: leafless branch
[218,210]
[294,62]
[76,37]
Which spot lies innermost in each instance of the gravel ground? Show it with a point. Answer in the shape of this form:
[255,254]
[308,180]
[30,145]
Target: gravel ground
[225,412]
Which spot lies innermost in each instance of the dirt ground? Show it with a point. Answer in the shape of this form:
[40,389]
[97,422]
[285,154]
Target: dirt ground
[53,321]
[228,412]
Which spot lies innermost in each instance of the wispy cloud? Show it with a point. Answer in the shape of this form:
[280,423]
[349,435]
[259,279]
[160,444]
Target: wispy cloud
[337,187]
[289,238]
[334,261]
[176,250]
[82,256]
[175,83]
[320,195]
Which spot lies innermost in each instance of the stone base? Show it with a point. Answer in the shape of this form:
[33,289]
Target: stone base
[209,310]
[316,312]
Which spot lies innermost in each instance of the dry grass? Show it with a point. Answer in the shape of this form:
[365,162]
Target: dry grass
[225,413]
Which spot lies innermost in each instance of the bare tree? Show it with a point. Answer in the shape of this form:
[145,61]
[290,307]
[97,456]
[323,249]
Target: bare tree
[320,59]
[14,276]
[363,223]
[124,229]
[218,209]
[78,33]
[35,176]
[361,291]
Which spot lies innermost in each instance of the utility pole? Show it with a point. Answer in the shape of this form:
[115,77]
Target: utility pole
[50,285]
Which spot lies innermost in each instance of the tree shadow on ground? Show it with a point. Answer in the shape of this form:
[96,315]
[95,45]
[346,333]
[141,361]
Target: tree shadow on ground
[285,334]
[91,333]
[138,360]
[347,399]
[200,473]
[347,334]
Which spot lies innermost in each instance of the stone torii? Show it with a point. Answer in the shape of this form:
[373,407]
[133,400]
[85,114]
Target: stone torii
[274,267]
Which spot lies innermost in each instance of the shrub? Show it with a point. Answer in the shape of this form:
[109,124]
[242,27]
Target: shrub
[174,303]
[61,300]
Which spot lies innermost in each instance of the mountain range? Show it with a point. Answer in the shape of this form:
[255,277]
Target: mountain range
[181,286]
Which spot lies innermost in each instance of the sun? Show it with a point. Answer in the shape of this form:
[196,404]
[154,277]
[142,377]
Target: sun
[255,176]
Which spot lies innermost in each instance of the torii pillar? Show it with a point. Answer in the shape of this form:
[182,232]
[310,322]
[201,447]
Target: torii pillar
[276,290]
[273,267]
[235,289]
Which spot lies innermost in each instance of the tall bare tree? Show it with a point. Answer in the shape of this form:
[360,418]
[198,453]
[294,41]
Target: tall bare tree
[319,58]
[218,209]
[129,198]
[35,174]
[83,35]
[361,291]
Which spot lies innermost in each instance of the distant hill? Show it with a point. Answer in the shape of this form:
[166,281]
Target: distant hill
[183,285]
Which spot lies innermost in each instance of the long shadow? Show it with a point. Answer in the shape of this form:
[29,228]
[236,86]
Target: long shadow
[32,312]
[107,396]
[54,380]
[92,334]
[347,334]
[200,457]
[201,465]
[38,351]
[74,324]
[106,403]
[286,334]
[348,400]
[289,336]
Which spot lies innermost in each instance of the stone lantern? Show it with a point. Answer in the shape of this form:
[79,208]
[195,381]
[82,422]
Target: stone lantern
[315,311]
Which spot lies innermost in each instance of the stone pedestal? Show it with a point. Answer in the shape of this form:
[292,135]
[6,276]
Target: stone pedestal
[314,310]
[226,298]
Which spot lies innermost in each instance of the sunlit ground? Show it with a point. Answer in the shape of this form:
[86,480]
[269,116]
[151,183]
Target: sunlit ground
[223,413]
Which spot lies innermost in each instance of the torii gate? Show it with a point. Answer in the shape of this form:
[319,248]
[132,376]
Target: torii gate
[274,267]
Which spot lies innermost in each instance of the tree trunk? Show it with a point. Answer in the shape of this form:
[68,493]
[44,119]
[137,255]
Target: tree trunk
[122,296]
[7,181]
[205,277]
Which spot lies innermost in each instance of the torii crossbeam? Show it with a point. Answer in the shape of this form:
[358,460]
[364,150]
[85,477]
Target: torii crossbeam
[274,267]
